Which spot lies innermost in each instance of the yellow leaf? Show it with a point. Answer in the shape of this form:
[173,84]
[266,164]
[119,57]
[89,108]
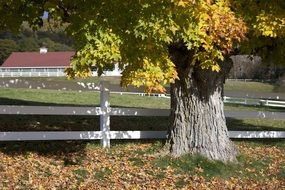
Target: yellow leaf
[216,68]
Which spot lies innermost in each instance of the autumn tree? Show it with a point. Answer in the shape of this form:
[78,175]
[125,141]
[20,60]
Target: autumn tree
[266,28]
[6,48]
[184,43]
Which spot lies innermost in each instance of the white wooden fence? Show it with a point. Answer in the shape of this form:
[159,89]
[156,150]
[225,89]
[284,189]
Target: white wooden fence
[56,71]
[272,103]
[105,111]
[254,102]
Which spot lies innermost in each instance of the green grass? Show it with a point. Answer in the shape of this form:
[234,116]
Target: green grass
[240,107]
[111,79]
[197,164]
[139,101]
[252,87]
[103,173]
[36,97]
[13,96]
[256,124]
[229,85]
[246,168]
[41,97]
[80,175]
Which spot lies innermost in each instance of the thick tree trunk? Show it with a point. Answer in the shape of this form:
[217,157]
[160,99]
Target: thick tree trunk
[197,112]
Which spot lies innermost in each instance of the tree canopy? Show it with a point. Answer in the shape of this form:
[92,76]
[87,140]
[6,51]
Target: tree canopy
[266,28]
[137,34]
[6,47]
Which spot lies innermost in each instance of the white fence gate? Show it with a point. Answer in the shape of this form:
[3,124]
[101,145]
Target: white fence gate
[105,111]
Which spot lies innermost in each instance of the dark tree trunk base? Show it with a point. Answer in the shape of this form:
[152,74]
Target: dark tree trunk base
[197,113]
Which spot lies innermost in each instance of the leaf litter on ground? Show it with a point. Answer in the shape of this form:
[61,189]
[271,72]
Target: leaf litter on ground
[135,165]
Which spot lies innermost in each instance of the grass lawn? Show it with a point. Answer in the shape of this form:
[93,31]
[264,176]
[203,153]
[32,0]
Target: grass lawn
[253,87]
[118,123]
[111,79]
[229,85]
[44,97]
[14,96]
[239,107]
[128,164]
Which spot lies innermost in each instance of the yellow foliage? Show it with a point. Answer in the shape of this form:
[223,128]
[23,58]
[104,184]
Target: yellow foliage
[153,74]
[183,3]
[269,24]
[216,68]
[208,28]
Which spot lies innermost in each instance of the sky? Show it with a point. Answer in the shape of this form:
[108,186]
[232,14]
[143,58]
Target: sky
[45,15]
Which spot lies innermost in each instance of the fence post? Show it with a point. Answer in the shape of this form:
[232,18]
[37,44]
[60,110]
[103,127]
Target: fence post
[105,116]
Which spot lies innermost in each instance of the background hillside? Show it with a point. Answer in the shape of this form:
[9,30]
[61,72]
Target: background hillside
[51,36]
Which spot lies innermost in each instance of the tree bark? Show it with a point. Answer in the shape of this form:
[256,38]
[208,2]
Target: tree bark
[197,111]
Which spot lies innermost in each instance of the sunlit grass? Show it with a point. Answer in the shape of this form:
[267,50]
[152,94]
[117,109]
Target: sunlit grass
[17,96]
[252,87]
[230,85]
[111,79]
[33,96]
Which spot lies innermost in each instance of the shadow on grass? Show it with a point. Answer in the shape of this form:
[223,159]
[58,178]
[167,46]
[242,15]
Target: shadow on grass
[255,108]
[70,152]
[279,88]
[80,123]
[48,123]
[241,125]
[43,147]
[246,167]
[10,101]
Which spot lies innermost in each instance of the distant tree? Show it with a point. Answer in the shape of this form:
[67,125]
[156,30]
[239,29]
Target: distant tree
[6,48]
[55,31]
[28,44]
[54,46]
[29,40]
[26,31]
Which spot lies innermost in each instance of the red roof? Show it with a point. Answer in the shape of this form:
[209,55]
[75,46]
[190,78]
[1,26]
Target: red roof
[36,59]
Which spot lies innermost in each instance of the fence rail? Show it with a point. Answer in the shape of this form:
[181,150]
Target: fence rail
[59,73]
[272,103]
[99,135]
[33,74]
[254,80]
[254,102]
[93,111]
[105,111]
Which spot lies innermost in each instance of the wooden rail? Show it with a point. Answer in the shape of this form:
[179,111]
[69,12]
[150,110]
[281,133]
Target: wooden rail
[105,111]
